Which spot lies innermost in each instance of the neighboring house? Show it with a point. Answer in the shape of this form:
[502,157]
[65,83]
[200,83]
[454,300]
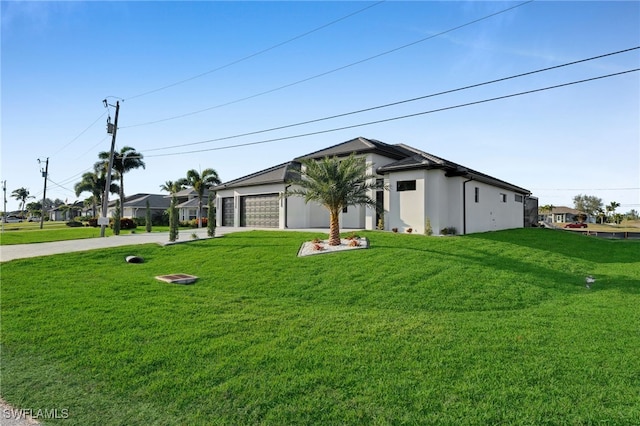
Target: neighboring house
[420,186]
[560,214]
[66,212]
[188,204]
[136,205]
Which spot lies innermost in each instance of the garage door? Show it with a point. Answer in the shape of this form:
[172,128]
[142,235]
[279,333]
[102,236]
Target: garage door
[260,211]
[227,211]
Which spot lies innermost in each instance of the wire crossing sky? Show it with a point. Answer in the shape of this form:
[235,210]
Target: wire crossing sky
[61,59]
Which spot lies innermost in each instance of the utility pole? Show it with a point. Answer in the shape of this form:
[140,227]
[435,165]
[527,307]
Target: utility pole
[45,175]
[104,220]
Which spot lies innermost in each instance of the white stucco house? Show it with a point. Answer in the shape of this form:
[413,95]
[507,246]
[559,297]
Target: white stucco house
[419,186]
[188,204]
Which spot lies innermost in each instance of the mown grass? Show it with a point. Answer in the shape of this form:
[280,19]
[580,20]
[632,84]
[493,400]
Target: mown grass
[493,328]
[29,233]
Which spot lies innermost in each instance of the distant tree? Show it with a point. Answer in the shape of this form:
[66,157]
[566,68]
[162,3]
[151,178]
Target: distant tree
[335,183]
[34,208]
[611,210]
[199,182]
[172,186]
[21,195]
[548,209]
[588,204]
[600,214]
[124,161]
[632,215]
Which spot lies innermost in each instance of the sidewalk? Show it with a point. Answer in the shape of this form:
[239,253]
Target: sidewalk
[23,251]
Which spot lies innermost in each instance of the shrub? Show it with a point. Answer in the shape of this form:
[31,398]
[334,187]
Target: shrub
[92,222]
[193,223]
[353,236]
[380,224]
[394,230]
[74,224]
[354,243]
[409,230]
[125,223]
[450,230]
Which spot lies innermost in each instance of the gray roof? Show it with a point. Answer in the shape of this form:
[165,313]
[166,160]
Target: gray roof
[189,192]
[407,158]
[423,160]
[192,203]
[359,145]
[156,201]
[276,174]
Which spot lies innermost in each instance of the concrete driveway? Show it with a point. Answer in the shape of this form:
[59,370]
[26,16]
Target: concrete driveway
[22,251]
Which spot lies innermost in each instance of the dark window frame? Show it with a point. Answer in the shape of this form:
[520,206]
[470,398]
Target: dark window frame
[406,185]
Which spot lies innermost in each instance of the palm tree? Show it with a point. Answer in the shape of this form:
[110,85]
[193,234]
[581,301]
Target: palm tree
[335,183]
[548,208]
[611,209]
[199,182]
[124,161]
[172,187]
[94,182]
[22,195]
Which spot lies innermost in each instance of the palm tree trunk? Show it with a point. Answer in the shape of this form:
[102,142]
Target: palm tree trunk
[199,212]
[334,228]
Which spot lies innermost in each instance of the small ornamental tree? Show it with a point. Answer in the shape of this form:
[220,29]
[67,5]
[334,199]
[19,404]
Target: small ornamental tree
[116,219]
[173,219]
[211,217]
[148,218]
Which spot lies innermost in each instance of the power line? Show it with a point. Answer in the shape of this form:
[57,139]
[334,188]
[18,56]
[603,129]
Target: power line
[395,103]
[330,71]
[76,138]
[237,61]
[585,189]
[399,117]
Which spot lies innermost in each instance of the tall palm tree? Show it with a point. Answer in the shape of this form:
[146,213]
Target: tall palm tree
[22,195]
[199,182]
[124,161]
[335,183]
[94,183]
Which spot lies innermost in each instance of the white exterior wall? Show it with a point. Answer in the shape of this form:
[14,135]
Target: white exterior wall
[490,213]
[405,209]
[440,199]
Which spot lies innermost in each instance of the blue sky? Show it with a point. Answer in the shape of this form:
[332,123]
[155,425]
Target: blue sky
[61,59]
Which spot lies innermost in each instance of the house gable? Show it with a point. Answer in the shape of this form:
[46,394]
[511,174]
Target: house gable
[358,145]
[276,174]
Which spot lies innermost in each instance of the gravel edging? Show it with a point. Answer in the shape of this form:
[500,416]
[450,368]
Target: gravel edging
[308,248]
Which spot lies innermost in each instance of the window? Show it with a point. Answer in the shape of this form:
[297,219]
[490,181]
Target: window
[406,185]
[477,199]
[519,198]
[503,197]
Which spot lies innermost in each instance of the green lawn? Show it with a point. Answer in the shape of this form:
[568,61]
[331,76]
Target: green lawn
[493,328]
[28,233]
